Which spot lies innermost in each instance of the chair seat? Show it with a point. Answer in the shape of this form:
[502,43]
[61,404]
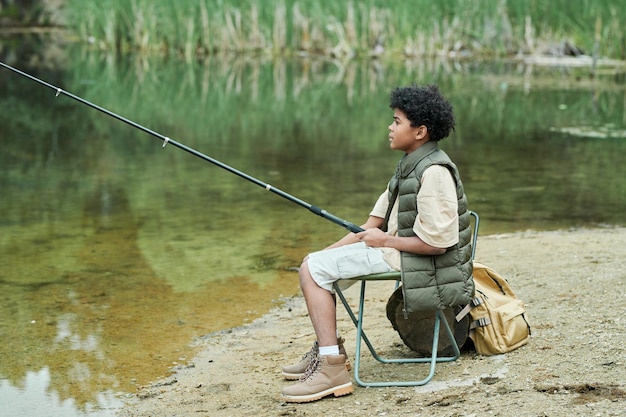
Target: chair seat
[385,276]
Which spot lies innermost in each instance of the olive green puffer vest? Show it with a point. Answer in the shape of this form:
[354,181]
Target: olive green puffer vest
[439,281]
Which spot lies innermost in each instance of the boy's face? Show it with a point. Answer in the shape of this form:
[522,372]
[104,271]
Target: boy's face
[403,136]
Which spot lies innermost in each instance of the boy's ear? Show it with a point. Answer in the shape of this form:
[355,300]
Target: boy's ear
[421,132]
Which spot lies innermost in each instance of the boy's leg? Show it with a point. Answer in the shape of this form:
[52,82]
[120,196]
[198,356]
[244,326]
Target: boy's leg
[328,374]
[329,266]
[321,306]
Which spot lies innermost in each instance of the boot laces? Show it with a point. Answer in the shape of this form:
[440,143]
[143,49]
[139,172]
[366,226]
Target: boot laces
[311,353]
[312,369]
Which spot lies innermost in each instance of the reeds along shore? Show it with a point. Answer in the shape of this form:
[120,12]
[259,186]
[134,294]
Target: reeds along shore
[373,28]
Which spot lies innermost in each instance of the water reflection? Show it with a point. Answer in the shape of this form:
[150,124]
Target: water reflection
[85,303]
[116,253]
[33,398]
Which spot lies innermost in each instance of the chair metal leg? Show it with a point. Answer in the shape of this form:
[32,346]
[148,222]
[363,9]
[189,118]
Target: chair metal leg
[433,360]
[356,322]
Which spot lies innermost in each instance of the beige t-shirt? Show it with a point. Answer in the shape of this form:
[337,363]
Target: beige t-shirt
[437,222]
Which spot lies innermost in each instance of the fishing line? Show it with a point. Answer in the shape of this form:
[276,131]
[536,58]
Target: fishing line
[166,140]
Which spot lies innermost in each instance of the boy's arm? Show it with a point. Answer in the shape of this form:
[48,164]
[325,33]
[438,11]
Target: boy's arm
[372,222]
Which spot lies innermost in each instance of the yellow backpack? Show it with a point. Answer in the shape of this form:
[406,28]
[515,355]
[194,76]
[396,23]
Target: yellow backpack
[498,319]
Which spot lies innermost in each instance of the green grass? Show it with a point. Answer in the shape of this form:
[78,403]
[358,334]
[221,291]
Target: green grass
[451,28]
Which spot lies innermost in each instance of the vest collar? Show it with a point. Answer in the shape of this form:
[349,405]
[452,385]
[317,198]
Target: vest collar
[409,161]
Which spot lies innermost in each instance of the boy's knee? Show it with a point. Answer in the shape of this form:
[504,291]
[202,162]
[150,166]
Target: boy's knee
[303,272]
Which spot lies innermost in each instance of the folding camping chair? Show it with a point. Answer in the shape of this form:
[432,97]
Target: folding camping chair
[439,320]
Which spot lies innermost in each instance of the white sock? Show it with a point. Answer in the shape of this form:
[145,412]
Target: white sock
[329,350]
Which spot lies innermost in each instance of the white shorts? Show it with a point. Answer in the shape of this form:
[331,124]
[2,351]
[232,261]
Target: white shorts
[345,262]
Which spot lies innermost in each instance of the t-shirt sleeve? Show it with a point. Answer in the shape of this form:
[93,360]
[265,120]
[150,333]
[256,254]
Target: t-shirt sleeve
[437,221]
[380,208]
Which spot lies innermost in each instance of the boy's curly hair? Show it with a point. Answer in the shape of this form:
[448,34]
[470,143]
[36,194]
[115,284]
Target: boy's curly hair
[424,105]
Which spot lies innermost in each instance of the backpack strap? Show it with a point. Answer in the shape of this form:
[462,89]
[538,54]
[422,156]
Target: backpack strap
[473,303]
[482,322]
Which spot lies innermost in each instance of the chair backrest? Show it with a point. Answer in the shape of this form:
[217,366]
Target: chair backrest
[474,232]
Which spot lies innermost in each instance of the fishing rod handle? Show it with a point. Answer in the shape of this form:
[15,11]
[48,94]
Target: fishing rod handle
[341,222]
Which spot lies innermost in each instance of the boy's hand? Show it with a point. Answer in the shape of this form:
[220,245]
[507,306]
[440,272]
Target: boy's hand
[373,237]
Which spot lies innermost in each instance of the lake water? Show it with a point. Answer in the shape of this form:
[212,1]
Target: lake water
[116,252]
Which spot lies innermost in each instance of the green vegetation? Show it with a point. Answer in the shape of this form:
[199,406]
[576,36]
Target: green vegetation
[451,28]
[24,14]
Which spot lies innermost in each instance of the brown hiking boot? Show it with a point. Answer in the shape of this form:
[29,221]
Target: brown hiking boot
[325,375]
[295,371]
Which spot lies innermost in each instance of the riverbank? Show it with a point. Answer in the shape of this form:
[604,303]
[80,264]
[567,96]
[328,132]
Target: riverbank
[572,282]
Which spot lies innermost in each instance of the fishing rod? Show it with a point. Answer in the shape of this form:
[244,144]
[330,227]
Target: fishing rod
[166,140]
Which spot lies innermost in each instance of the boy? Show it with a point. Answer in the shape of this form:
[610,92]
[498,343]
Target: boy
[420,225]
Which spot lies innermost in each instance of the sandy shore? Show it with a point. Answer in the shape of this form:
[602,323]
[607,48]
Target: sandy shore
[574,285]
